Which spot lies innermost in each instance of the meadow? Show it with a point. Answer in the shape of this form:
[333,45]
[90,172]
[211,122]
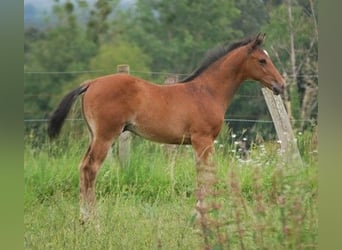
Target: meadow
[260,202]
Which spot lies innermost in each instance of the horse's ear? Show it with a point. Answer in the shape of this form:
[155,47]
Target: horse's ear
[257,41]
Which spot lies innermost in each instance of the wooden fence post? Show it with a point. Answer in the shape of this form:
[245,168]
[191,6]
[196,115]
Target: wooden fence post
[125,139]
[289,148]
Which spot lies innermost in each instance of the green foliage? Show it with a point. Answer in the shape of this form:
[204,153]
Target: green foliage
[251,18]
[299,63]
[115,53]
[179,32]
[259,203]
[62,48]
[97,24]
[110,55]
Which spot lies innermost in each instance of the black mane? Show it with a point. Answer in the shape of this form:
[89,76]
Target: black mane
[213,55]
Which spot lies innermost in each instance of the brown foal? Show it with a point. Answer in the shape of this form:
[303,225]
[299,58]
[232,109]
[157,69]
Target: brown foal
[189,112]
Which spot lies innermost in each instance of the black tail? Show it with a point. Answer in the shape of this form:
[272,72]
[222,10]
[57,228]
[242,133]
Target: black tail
[58,117]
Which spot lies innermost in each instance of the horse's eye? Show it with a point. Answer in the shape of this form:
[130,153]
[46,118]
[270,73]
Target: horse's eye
[262,61]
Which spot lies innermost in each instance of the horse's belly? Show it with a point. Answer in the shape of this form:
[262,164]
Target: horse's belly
[161,134]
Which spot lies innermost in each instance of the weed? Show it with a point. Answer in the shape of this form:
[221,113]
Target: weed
[259,203]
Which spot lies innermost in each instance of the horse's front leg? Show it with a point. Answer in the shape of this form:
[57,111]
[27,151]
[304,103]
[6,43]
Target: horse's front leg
[205,168]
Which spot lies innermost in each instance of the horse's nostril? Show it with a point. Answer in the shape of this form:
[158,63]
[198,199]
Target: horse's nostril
[277,89]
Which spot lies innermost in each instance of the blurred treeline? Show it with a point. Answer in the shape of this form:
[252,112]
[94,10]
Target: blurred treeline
[81,40]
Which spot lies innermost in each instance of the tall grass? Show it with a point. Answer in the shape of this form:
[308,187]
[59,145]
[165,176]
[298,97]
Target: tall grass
[258,203]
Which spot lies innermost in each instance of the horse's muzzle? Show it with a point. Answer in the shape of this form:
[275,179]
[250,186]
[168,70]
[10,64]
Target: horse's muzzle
[277,88]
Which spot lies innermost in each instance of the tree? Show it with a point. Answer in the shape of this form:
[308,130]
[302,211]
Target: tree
[177,33]
[292,31]
[61,48]
[97,25]
[253,14]
[109,56]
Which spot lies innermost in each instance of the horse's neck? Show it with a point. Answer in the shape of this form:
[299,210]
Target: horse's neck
[223,80]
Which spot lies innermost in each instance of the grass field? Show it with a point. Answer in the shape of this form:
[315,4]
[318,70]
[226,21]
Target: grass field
[260,203]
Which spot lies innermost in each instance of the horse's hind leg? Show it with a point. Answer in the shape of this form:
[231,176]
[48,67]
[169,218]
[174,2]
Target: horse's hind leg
[89,168]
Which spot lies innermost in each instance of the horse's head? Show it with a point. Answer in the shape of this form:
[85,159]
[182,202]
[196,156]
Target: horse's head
[261,68]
